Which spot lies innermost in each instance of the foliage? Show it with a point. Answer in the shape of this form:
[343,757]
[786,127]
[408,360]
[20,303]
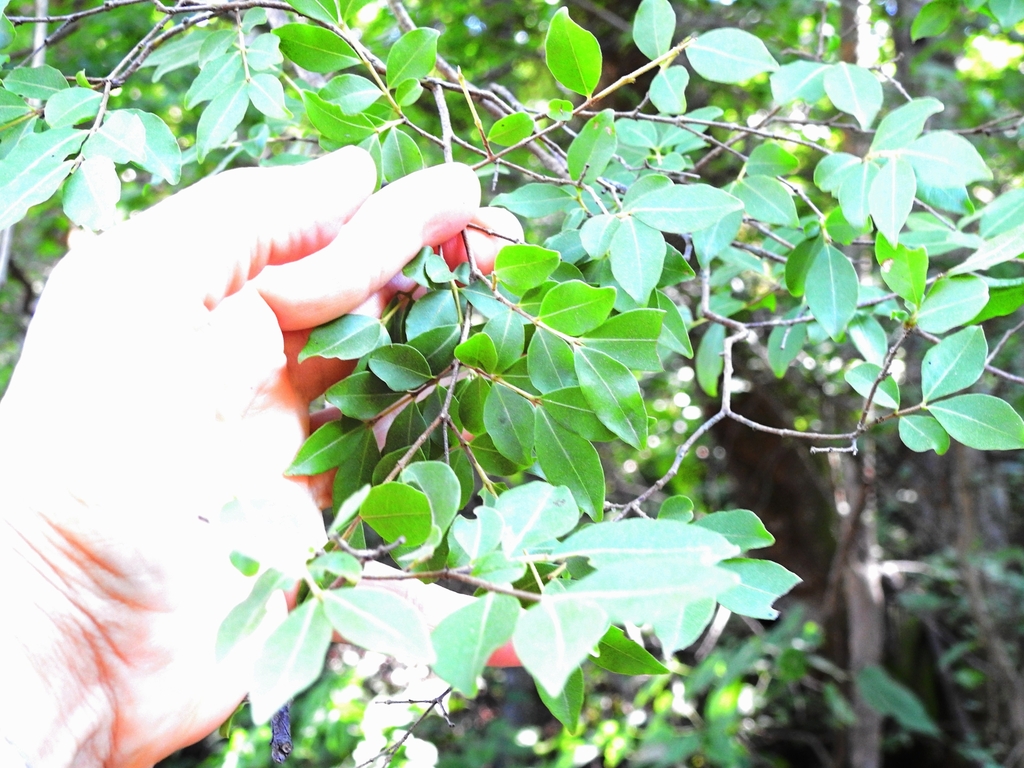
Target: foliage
[481,419]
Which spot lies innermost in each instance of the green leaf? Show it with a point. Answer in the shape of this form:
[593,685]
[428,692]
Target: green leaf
[506,331]
[738,526]
[762,582]
[923,433]
[347,338]
[767,199]
[337,565]
[980,421]
[478,537]
[220,118]
[511,129]
[536,200]
[862,378]
[413,56]
[933,19]
[854,191]
[267,95]
[215,45]
[681,627]
[316,49]
[952,301]
[652,594]
[34,170]
[593,147]
[631,338]
[441,486]
[953,364]
[903,270]
[522,267]
[291,660]
[569,407]
[245,565]
[559,110]
[478,352]
[803,80]
[944,159]
[673,329]
[438,346]
[246,617]
[574,307]
[430,311]
[465,640]
[709,361]
[854,90]
[567,459]
[614,394]
[637,258]
[162,153]
[668,90]
[675,208]
[12,107]
[217,76]
[554,636]
[35,82]
[798,263]
[597,232]
[904,124]
[361,395]
[323,450]
[122,137]
[832,290]
[534,514]
[1002,214]
[573,54]
[347,506]
[769,159]
[653,27]
[395,509]
[71,106]
[362,461]
[264,53]
[549,362]
[642,540]
[729,56]
[841,230]
[784,344]
[678,508]
[352,93]
[332,122]
[891,197]
[92,194]
[399,155]
[567,705]
[1007,12]
[379,620]
[888,697]
[617,653]
[509,420]
[321,10]
[490,459]
[832,170]
[400,366]
[1000,249]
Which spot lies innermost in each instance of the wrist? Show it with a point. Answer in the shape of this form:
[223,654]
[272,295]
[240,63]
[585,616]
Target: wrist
[55,708]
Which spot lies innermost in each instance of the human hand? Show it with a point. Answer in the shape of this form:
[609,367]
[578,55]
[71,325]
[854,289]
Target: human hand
[159,381]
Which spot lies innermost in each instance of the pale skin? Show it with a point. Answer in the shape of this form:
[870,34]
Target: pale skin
[157,383]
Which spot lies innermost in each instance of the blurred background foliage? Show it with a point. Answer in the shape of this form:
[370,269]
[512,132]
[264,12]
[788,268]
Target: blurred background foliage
[920,554]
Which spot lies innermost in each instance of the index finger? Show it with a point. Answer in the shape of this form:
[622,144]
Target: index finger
[425,208]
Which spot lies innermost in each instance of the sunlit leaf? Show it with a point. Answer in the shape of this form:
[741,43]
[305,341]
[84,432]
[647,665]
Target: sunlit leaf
[573,54]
